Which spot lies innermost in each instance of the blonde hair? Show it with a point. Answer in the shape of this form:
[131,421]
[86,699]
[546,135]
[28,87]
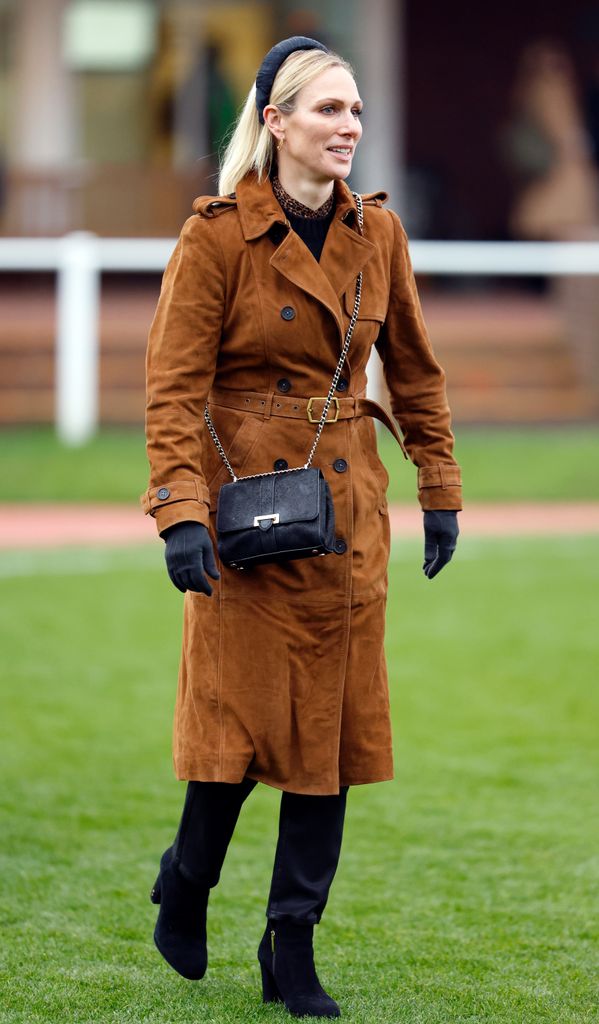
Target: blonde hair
[252,145]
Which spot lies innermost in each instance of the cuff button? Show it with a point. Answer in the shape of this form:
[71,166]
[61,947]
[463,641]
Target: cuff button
[163,493]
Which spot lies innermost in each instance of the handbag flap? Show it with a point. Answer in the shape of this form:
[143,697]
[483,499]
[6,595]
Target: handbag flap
[294,497]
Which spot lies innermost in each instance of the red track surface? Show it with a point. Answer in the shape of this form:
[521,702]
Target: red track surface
[55,525]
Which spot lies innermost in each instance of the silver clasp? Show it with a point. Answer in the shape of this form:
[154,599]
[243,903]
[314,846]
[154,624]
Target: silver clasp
[273,516]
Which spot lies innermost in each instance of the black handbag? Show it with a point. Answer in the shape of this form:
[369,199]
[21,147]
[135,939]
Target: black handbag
[285,514]
[275,517]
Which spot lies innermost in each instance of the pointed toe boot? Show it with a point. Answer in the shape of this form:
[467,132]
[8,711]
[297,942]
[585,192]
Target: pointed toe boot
[180,933]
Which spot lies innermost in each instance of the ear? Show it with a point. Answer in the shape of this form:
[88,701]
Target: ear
[274,119]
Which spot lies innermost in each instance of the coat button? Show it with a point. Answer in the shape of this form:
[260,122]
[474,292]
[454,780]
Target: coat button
[279,464]
[340,546]
[342,384]
[288,312]
[340,465]
[163,493]
[284,385]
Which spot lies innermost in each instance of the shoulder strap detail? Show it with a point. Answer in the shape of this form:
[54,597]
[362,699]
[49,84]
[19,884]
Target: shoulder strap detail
[212,206]
[375,198]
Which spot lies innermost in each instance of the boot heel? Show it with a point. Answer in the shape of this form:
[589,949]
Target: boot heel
[270,992]
[155,893]
[288,970]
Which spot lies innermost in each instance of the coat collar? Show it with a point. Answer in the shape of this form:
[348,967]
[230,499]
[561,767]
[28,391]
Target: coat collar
[259,208]
[345,251]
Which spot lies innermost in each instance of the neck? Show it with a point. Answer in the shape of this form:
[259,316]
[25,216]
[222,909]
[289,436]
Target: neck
[311,193]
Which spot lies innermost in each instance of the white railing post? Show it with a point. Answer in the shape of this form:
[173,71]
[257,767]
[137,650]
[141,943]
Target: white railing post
[77,330]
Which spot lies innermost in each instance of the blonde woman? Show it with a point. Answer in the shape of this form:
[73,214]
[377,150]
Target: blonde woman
[283,678]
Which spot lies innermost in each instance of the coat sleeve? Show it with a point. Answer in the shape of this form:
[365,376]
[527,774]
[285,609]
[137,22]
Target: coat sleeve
[416,385]
[180,365]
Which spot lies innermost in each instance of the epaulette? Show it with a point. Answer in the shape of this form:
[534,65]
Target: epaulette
[375,198]
[212,206]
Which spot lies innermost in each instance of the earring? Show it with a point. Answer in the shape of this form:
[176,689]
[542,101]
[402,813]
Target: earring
[280,144]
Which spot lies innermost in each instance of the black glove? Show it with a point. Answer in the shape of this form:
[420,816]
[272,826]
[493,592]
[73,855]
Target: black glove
[189,556]
[440,538]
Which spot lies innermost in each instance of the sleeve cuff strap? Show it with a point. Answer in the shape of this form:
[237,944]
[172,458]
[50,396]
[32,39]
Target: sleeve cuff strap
[443,474]
[156,498]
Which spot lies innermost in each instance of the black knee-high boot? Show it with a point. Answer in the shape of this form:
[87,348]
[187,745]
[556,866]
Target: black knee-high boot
[308,848]
[190,868]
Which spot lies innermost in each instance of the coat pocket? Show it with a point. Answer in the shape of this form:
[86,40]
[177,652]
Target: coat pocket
[377,471]
[238,433]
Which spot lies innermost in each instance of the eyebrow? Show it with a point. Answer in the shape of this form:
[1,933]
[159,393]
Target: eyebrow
[334,99]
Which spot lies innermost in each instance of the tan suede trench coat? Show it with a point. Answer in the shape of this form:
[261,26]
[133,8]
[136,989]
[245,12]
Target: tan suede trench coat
[283,674]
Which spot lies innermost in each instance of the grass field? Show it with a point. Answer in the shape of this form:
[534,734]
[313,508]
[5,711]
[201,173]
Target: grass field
[467,890]
[558,463]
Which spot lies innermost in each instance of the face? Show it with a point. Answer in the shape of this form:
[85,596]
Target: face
[323,131]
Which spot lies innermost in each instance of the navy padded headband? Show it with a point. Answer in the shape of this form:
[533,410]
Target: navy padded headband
[272,62]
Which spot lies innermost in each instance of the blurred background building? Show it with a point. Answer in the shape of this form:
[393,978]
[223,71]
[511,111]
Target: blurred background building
[481,121]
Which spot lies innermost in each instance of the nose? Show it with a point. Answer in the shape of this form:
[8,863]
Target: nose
[352,126]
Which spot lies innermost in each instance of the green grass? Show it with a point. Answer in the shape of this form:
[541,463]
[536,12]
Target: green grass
[111,467]
[467,889]
[550,464]
[498,465]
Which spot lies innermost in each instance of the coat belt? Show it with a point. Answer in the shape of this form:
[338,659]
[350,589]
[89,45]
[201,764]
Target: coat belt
[292,407]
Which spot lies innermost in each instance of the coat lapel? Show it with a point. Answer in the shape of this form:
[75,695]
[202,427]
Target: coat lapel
[344,255]
[295,262]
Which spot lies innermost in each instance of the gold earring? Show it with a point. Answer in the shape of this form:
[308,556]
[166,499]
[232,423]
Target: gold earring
[280,144]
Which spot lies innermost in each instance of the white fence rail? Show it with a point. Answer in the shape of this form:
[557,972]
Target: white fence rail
[79,258]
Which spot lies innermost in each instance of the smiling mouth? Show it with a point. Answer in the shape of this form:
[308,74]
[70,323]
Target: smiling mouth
[340,150]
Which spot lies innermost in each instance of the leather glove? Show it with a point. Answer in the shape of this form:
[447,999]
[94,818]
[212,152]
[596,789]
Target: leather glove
[440,538]
[189,556]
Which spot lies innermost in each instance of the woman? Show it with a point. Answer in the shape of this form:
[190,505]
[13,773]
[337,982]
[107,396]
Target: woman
[283,678]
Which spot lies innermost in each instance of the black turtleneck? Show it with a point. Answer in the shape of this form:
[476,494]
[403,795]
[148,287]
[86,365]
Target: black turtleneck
[312,231]
[313,226]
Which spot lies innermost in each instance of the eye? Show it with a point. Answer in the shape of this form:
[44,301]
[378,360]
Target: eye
[357,112]
[328,107]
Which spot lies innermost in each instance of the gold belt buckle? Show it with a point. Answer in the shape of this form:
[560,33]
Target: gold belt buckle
[316,419]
